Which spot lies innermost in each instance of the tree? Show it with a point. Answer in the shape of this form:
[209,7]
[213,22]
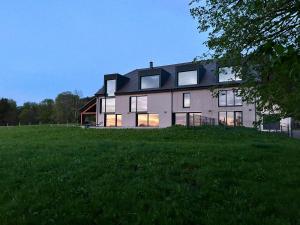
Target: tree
[261,39]
[46,111]
[8,112]
[66,107]
[29,113]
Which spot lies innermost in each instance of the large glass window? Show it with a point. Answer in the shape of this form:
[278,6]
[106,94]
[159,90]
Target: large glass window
[110,105]
[132,104]
[222,118]
[187,78]
[227,74]
[222,98]
[238,98]
[230,98]
[148,82]
[181,119]
[113,120]
[138,104]
[110,120]
[195,119]
[119,120]
[148,120]
[186,100]
[110,87]
[102,105]
[231,118]
[238,119]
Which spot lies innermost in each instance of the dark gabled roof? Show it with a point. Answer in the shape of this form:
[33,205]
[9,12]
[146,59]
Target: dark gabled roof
[88,104]
[132,86]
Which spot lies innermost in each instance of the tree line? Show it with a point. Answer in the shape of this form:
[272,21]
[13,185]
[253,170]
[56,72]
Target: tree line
[63,109]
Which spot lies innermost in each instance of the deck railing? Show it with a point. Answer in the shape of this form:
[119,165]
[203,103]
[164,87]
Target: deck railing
[197,120]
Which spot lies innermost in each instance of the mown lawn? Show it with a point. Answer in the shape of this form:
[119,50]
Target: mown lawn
[60,175]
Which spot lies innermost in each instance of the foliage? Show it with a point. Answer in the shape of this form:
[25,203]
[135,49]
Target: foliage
[29,113]
[262,39]
[8,111]
[47,111]
[65,109]
[206,175]
[67,105]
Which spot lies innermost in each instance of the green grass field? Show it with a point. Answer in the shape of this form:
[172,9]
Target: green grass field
[208,175]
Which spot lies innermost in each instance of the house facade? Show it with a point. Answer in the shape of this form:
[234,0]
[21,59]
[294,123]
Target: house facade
[179,94]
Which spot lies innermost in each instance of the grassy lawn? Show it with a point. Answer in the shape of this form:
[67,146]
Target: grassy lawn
[60,175]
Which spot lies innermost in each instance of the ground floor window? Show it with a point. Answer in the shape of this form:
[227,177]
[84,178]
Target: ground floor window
[181,119]
[195,119]
[147,120]
[231,118]
[113,120]
[189,119]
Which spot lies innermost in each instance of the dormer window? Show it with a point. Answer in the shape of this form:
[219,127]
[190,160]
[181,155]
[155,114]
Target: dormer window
[110,87]
[227,74]
[150,81]
[187,78]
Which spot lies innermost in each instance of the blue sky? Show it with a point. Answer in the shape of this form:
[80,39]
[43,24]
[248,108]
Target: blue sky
[51,46]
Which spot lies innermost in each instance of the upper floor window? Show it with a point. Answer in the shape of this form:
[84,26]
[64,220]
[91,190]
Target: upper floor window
[227,74]
[186,100]
[230,98]
[138,104]
[110,87]
[187,78]
[108,105]
[148,82]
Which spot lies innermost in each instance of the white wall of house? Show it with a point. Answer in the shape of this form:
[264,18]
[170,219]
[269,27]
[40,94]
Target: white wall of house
[161,103]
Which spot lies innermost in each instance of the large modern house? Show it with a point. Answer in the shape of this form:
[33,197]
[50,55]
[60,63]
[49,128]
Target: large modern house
[179,94]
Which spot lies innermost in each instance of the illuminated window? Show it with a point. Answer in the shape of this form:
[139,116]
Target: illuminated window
[147,120]
[113,120]
[110,120]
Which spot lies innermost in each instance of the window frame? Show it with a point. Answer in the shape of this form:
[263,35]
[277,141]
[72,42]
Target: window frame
[183,100]
[226,99]
[136,104]
[106,93]
[148,115]
[236,77]
[116,119]
[186,85]
[152,88]
[234,118]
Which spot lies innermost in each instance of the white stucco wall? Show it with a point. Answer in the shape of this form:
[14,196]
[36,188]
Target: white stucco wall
[161,103]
